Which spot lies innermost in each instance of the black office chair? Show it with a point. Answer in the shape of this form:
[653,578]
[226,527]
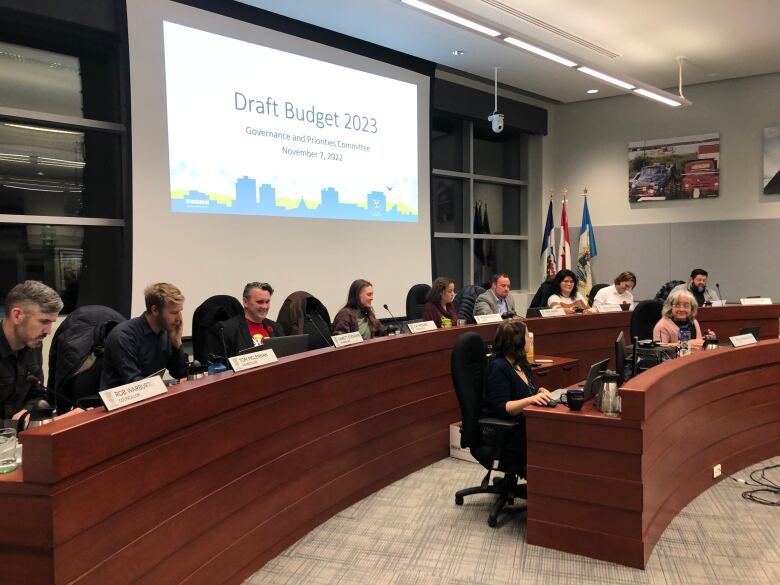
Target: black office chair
[484,437]
[76,356]
[303,313]
[594,291]
[539,301]
[416,299]
[664,291]
[644,317]
[465,301]
[206,316]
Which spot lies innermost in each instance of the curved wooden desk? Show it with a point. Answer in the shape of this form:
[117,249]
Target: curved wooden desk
[209,481]
[608,487]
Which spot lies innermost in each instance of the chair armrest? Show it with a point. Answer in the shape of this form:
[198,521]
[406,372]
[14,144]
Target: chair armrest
[497,423]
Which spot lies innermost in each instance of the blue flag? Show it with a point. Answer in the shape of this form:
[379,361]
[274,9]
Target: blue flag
[587,251]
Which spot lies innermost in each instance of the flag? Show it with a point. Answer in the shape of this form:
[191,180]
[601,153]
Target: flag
[586,251]
[564,248]
[488,244]
[547,254]
[478,251]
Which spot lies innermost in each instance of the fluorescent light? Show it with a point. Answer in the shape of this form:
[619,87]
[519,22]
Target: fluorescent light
[452,17]
[656,97]
[53,130]
[592,91]
[605,77]
[541,52]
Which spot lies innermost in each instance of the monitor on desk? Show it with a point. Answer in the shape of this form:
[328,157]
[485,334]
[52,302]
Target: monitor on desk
[753,330]
[592,385]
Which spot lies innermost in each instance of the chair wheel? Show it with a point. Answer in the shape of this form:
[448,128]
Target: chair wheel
[458,500]
[492,521]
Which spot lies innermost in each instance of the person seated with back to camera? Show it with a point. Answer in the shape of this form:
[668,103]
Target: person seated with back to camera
[357,314]
[566,296]
[511,386]
[679,314]
[617,293]
[440,309]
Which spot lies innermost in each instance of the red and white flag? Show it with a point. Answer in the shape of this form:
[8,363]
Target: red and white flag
[564,248]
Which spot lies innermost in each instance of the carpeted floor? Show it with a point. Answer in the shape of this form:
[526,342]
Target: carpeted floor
[411,533]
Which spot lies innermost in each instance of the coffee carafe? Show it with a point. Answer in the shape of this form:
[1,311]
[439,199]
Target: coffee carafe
[609,402]
[40,414]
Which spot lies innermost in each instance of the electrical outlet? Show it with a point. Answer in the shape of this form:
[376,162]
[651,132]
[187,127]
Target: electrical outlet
[716,471]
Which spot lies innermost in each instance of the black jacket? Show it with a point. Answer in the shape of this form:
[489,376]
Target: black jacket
[237,335]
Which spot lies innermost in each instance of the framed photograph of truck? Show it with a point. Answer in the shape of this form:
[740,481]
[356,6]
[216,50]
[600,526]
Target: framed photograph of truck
[772,160]
[686,167]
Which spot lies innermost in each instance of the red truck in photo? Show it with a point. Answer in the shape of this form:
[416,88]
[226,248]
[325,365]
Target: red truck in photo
[701,174]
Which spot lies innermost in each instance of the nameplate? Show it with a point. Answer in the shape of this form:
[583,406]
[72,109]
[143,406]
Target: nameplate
[133,392]
[492,318]
[744,339]
[248,361]
[346,339]
[556,312]
[721,303]
[422,326]
[608,308]
[762,301]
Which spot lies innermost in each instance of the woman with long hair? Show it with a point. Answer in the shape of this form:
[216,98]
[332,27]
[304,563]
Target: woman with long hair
[440,308]
[358,314]
[565,294]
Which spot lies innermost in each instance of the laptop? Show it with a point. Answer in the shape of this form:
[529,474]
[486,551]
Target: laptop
[591,386]
[282,346]
[754,330]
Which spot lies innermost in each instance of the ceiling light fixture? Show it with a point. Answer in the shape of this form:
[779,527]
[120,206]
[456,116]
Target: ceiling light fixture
[605,77]
[541,52]
[53,130]
[458,52]
[657,97]
[592,91]
[452,17]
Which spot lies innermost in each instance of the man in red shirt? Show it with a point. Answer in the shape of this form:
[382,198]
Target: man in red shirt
[249,329]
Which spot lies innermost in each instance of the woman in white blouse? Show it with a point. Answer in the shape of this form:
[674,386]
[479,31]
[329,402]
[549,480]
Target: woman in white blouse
[618,293]
[566,296]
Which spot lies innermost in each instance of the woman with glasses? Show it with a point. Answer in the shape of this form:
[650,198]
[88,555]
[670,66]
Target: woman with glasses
[679,315]
[566,296]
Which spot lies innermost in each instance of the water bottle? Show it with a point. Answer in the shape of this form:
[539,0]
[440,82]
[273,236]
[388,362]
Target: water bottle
[216,368]
[683,337]
[529,350]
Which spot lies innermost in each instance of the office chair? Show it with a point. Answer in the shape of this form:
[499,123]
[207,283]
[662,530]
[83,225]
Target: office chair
[664,291]
[416,299]
[465,300]
[206,316]
[540,297]
[644,317]
[484,437]
[302,313]
[594,291]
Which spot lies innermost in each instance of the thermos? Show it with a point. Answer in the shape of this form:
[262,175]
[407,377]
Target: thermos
[610,399]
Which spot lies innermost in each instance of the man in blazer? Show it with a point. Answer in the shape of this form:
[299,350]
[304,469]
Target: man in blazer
[248,330]
[497,299]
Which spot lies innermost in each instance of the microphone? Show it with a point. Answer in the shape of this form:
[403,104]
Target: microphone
[720,296]
[221,328]
[393,316]
[328,341]
[33,380]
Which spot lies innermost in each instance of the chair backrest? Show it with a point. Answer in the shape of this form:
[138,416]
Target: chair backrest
[209,313]
[594,291]
[664,291]
[468,364]
[416,299]
[542,294]
[465,301]
[292,317]
[644,317]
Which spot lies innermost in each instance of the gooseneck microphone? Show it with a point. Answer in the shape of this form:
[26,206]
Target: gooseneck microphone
[393,316]
[720,296]
[328,341]
[221,328]
[34,380]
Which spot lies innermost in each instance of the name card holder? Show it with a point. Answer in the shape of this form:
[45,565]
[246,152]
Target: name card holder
[608,308]
[422,326]
[492,318]
[721,303]
[255,359]
[346,339]
[761,301]
[556,312]
[744,339]
[127,394]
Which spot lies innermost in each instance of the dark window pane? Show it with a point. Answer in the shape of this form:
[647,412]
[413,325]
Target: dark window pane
[450,258]
[493,256]
[31,79]
[43,172]
[83,264]
[450,206]
[499,155]
[447,144]
[505,207]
